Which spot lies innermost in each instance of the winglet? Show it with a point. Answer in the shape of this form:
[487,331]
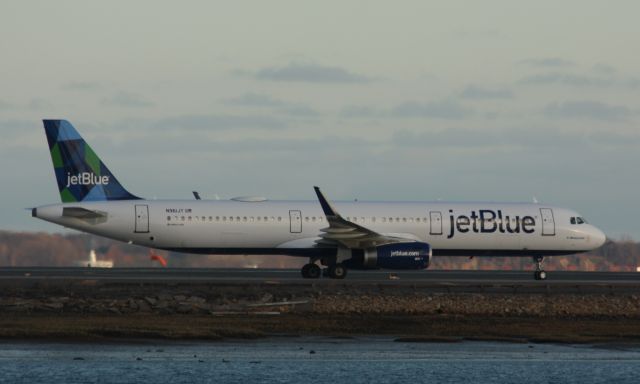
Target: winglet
[326,206]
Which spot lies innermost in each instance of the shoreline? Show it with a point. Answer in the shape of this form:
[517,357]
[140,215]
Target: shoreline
[212,312]
[440,328]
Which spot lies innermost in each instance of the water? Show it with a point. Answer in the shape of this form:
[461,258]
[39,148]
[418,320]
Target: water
[316,360]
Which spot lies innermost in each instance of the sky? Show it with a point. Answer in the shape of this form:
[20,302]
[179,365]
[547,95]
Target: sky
[374,100]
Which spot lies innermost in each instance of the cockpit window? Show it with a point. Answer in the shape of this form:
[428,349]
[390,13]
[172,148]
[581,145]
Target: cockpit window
[578,220]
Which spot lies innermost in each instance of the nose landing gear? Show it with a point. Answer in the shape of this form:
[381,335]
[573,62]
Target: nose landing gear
[540,273]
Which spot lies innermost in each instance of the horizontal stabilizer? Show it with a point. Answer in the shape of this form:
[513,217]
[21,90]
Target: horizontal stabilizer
[82,213]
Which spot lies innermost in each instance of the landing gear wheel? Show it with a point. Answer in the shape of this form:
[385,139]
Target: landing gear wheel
[337,271]
[311,271]
[540,273]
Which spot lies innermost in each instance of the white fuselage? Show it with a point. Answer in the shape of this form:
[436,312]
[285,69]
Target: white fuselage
[292,227]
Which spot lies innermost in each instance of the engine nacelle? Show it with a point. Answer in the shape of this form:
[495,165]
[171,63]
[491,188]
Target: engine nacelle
[413,255]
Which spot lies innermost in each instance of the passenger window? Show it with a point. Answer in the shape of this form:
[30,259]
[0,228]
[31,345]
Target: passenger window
[168,218]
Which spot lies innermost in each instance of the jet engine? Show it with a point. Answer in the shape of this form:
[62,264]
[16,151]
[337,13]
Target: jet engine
[413,255]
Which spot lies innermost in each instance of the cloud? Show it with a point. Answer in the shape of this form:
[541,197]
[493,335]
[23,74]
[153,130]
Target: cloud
[438,109]
[220,122]
[444,109]
[477,33]
[81,86]
[359,111]
[257,100]
[299,110]
[604,69]
[475,92]
[606,77]
[128,100]
[615,139]
[447,138]
[548,62]
[311,73]
[504,139]
[38,104]
[567,79]
[321,144]
[594,110]
[254,100]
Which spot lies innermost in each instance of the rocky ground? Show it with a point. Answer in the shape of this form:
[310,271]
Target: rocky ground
[88,311]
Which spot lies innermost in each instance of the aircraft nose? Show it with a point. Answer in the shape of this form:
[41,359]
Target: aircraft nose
[599,238]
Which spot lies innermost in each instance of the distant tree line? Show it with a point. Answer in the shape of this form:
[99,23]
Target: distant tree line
[45,249]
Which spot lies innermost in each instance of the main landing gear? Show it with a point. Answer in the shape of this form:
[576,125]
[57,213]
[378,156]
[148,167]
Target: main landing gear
[334,271]
[539,274]
[311,271]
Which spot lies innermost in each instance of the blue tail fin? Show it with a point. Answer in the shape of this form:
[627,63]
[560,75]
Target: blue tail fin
[81,175]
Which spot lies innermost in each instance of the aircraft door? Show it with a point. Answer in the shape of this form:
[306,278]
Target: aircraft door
[142,219]
[548,224]
[435,223]
[295,221]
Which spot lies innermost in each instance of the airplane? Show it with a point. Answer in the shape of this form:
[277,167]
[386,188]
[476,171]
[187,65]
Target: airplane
[339,236]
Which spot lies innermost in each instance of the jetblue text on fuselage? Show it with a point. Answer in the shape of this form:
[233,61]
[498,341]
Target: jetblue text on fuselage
[405,253]
[489,221]
[86,178]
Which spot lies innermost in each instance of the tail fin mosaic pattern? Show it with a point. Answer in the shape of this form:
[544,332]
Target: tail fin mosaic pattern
[80,173]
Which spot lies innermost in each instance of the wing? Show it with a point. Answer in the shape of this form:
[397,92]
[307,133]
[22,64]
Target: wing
[348,234]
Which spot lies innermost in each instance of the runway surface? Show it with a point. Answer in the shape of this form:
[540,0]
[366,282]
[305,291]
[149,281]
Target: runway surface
[518,282]
[293,275]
